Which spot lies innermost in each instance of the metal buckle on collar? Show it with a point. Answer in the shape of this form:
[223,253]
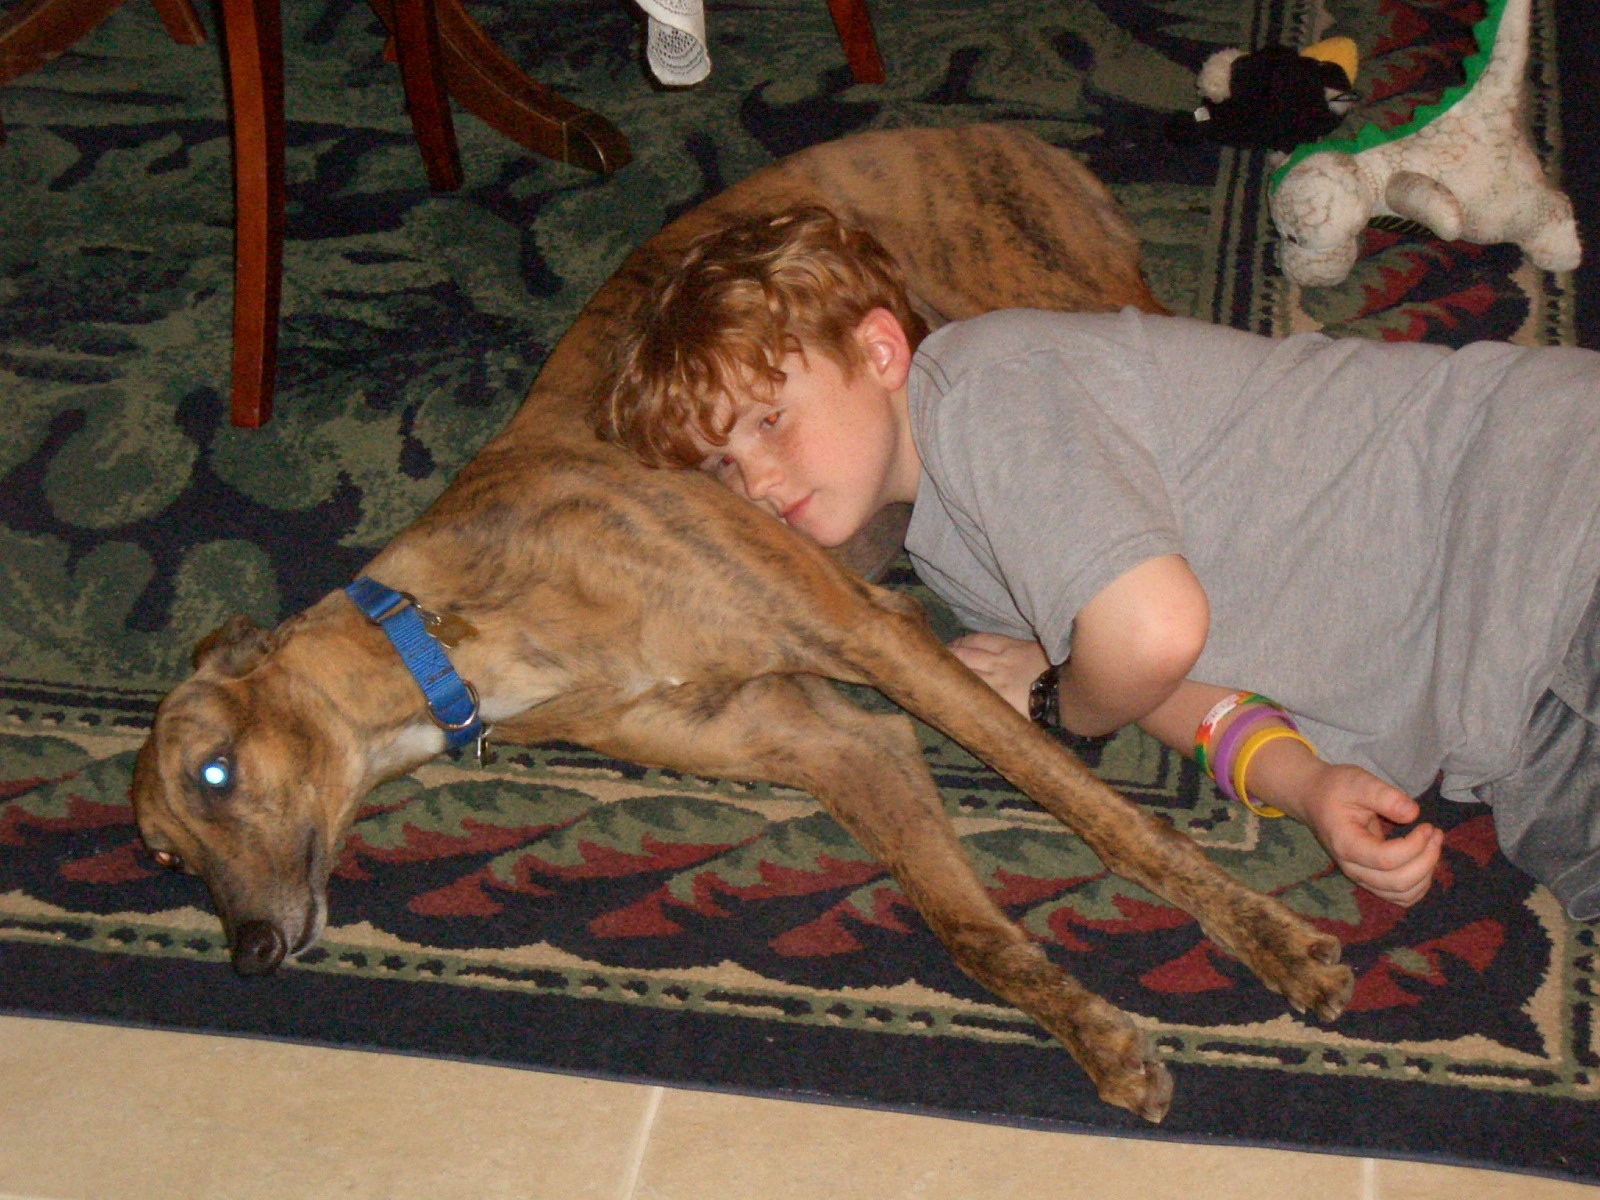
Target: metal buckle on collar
[402,601]
[458,726]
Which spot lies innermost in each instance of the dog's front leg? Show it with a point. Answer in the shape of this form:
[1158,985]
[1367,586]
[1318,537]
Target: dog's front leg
[896,650]
[868,772]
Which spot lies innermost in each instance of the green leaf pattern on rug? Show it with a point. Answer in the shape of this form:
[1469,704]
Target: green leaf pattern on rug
[643,833]
[77,784]
[460,817]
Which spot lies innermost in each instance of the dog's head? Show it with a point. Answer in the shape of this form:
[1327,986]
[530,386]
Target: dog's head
[247,780]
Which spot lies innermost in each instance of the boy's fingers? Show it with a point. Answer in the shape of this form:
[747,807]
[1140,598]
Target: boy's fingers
[987,643]
[1389,854]
[1407,897]
[1404,894]
[1396,806]
[1406,881]
[982,668]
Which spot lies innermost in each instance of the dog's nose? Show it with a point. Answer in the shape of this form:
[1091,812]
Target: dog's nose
[258,948]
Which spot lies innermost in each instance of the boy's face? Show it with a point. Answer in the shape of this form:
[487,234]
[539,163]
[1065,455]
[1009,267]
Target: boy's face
[832,447]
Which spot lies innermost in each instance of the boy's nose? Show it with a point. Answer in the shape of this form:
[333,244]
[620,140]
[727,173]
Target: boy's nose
[760,475]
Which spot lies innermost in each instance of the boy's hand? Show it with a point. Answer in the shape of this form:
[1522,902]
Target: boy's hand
[1351,812]
[1005,664]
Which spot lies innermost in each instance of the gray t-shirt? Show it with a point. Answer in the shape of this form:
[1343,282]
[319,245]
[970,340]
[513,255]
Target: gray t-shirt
[1396,540]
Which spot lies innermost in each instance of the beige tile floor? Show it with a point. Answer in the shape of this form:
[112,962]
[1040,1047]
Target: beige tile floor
[96,1113]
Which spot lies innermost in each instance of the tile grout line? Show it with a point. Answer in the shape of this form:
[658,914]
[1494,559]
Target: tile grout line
[647,1124]
[1369,1179]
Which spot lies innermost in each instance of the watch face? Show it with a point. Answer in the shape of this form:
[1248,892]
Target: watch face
[1043,698]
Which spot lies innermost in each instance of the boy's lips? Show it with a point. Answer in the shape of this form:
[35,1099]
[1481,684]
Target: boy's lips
[788,515]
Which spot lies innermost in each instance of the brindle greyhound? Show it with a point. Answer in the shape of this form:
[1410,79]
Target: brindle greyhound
[655,617]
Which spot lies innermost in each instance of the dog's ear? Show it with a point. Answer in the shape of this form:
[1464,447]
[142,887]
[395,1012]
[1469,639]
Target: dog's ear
[234,649]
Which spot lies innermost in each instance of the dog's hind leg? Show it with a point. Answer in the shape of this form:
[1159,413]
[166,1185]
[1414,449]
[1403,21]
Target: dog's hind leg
[867,771]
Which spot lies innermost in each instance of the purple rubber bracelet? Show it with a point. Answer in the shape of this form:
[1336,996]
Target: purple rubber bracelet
[1233,737]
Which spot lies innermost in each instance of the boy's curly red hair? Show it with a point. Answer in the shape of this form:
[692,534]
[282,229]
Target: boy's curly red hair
[745,295]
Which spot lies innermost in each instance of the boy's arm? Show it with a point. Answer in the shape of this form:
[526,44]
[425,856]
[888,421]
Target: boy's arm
[1133,645]
[1132,648]
[1349,810]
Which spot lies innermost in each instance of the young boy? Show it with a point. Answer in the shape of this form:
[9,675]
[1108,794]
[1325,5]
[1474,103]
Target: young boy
[1398,543]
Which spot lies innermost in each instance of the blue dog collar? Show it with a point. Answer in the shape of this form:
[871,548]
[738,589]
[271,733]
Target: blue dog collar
[452,702]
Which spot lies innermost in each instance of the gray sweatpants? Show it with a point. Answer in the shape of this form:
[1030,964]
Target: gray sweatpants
[1547,815]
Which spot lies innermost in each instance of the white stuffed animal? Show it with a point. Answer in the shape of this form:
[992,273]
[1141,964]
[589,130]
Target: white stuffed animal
[1463,168]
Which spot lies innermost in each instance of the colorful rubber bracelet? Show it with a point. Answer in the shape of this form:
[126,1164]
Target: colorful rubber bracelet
[1233,737]
[1208,724]
[1247,753]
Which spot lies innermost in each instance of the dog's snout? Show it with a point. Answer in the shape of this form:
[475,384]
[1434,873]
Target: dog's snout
[258,948]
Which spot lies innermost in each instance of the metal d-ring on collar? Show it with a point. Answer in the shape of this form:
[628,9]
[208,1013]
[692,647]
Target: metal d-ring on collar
[452,702]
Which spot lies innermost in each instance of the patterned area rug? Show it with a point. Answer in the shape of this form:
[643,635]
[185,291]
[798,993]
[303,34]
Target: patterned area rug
[561,910]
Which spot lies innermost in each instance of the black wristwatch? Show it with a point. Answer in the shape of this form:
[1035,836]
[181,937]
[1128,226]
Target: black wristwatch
[1044,698]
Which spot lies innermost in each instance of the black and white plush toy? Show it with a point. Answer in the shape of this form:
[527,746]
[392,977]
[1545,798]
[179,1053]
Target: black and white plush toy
[1275,98]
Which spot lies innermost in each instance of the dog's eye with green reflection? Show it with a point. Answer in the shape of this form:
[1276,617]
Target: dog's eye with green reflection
[216,775]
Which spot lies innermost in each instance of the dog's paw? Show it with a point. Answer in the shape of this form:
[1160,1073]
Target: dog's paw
[1303,967]
[1322,985]
[1291,957]
[1117,1057]
[1140,1083]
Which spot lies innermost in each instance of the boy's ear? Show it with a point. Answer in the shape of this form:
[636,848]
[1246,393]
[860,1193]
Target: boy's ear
[883,341]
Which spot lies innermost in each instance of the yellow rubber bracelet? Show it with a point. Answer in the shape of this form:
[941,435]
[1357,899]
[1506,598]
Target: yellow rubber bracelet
[1247,752]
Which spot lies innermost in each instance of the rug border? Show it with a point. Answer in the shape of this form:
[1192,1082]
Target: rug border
[730,1054]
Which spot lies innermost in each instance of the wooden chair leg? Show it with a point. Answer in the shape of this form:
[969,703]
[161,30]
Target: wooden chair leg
[416,42]
[851,19]
[482,80]
[254,42]
[181,22]
[39,30]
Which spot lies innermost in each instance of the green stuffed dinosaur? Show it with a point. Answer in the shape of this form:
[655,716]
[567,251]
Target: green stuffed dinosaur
[1464,167]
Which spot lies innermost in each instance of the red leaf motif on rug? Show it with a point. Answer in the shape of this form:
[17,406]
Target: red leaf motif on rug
[123,865]
[1398,274]
[1475,839]
[80,814]
[829,933]
[1014,889]
[1142,916]
[1423,318]
[15,787]
[463,898]
[1385,984]
[1403,27]
[1064,935]
[817,939]
[1138,917]
[648,917]
[421,845]
[607,862]
[641,920]
[1187,974]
